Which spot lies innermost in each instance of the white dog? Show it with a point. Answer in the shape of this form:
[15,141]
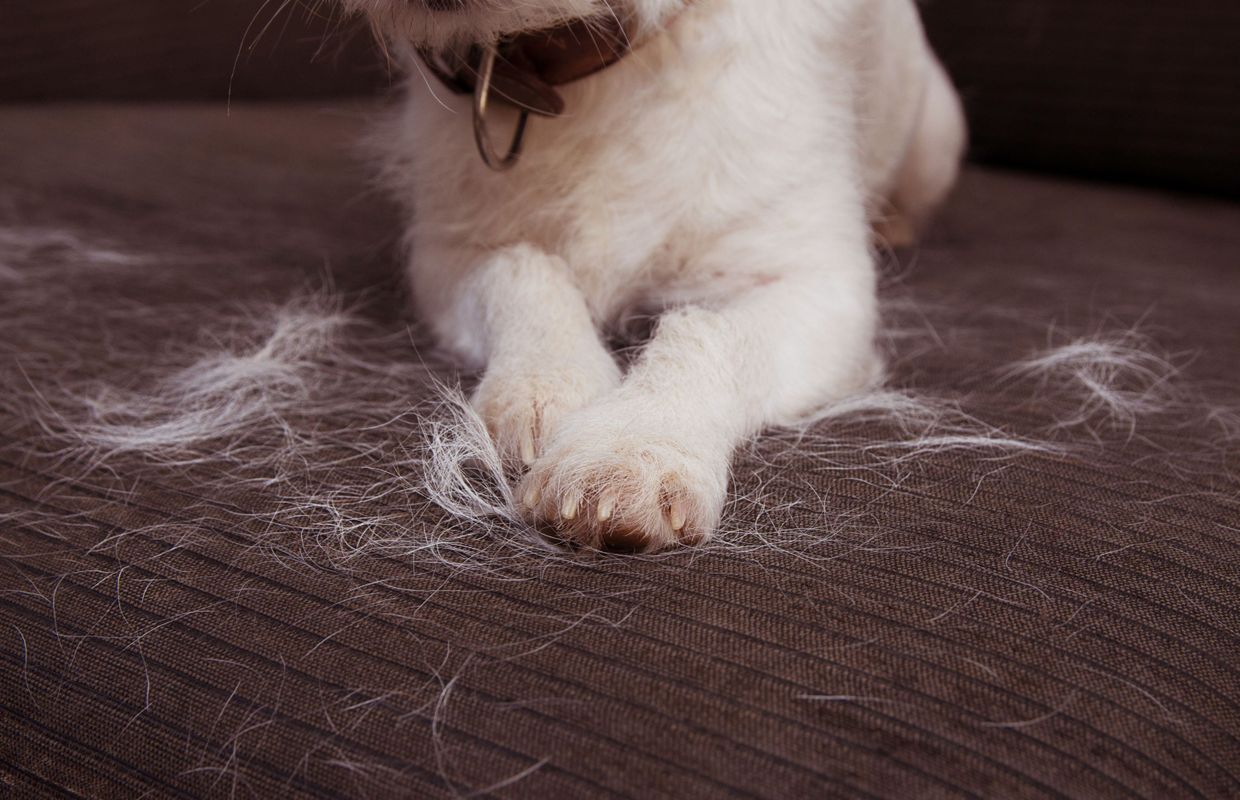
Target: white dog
[722,163]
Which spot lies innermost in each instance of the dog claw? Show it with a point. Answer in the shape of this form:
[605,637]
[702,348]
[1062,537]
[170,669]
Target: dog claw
[606,507]
[527,447]
[568,509]
[532,498]
[677,516]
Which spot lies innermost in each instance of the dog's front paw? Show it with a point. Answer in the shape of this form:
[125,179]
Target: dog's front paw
[522,407]
[605,486]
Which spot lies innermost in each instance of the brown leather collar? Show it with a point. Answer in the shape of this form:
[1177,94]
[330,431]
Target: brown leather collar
[528,67]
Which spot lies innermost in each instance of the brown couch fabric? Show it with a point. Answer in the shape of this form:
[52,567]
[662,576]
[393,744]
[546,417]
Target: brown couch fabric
[1135,90]
[1044,626]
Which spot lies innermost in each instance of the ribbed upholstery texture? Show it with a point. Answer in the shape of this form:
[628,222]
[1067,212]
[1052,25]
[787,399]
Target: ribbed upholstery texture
[1054,625]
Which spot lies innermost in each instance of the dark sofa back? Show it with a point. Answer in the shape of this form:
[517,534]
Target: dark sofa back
[1139,90]
[182,50]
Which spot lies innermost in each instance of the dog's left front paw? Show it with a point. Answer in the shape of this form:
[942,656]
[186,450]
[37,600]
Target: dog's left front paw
[602,486]
[522,409]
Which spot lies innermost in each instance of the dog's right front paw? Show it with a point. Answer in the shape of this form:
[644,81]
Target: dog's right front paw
[604,485]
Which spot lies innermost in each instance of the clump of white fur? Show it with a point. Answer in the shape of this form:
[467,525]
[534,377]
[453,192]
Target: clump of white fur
[1116,379]
[23,246]
[223,393]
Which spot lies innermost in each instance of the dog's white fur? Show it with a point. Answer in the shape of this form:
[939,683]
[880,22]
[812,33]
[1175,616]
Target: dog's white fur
[727,175]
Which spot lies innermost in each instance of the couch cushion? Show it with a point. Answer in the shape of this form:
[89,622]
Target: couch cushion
[1039,600]
[184,50]
[1138,91]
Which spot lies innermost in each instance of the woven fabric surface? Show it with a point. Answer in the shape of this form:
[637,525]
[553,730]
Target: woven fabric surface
[1041,625]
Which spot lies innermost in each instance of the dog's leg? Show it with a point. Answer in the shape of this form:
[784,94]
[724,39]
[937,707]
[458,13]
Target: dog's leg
[647,466]
[519,313]
[931,166]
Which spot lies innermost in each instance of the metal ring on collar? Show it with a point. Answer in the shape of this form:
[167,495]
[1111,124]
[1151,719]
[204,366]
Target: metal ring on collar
[482,133]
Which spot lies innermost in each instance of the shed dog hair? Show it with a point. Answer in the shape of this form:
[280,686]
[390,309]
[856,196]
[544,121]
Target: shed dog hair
[728,176]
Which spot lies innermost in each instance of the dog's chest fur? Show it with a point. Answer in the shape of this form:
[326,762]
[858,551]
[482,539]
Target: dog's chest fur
[728,113]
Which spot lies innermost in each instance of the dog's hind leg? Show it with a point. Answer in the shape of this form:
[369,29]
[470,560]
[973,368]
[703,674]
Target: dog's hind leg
[931,164]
